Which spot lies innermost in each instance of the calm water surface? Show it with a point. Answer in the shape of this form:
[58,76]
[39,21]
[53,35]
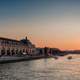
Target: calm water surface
[42,69]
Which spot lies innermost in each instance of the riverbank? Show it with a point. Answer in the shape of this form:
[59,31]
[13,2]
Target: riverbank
[10,59]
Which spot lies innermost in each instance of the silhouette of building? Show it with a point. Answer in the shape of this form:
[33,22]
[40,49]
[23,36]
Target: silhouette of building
[46,51]
[15,47]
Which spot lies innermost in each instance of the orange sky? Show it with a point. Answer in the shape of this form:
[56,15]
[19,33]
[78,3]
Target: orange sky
[53,34]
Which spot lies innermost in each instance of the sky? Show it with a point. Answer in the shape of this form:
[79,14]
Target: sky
[51,23]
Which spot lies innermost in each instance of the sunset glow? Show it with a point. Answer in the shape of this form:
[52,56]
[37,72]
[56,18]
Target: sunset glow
[52,23]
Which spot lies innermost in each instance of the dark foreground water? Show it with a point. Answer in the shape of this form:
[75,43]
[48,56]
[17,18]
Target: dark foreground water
[42,69]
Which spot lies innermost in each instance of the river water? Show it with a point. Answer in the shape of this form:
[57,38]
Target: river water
[42,69]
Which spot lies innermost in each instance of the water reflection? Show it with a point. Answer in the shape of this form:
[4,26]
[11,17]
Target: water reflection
[43,69]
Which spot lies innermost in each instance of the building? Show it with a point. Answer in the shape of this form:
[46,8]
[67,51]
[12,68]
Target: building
[31,47]
[40,51]
[12,47]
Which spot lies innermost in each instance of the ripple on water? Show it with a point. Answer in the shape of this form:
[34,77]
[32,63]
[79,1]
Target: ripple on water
[43,69]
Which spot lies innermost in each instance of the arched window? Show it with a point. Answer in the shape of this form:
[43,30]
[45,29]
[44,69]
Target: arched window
[17,51]
[26,51]
[13,52]
[8,52]
[3,51]
[23,50]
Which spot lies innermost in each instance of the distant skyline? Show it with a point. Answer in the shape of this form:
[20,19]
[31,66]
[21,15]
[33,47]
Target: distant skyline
[52,23]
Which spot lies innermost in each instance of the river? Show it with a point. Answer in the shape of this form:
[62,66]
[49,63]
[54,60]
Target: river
[42,69]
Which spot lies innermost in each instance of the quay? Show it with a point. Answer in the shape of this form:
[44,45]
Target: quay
[8,59]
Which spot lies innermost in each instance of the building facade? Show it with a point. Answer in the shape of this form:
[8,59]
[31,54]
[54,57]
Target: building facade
[12,47]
